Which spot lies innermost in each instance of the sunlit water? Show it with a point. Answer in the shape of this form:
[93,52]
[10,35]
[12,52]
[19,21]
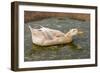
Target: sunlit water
[78,49]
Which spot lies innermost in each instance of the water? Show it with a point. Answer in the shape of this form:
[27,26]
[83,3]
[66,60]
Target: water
[79,48]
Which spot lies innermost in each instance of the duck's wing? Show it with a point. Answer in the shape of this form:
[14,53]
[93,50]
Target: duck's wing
[47,33]
[51,33]
[51,30]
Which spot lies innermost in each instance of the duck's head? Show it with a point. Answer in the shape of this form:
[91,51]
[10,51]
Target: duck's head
[75,31]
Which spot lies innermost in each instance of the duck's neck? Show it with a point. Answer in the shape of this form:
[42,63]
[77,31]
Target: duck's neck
[68,34]
[68,37]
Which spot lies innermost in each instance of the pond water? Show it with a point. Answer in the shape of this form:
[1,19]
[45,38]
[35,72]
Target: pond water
[79,48]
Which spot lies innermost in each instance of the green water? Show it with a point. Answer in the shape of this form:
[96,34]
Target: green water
[79,48]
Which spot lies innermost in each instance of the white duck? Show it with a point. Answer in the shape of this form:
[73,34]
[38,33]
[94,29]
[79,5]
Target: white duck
[46,36]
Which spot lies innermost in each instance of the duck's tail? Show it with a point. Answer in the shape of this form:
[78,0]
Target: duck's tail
[30,28]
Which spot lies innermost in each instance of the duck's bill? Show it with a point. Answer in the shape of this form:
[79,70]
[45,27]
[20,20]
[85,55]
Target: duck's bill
[80,33]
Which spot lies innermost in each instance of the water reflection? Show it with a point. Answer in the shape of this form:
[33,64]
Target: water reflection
[56,52]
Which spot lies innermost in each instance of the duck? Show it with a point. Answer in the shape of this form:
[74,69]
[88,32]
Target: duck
[47,37]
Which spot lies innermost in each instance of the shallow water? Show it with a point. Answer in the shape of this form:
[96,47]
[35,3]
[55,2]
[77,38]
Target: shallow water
[78,49]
